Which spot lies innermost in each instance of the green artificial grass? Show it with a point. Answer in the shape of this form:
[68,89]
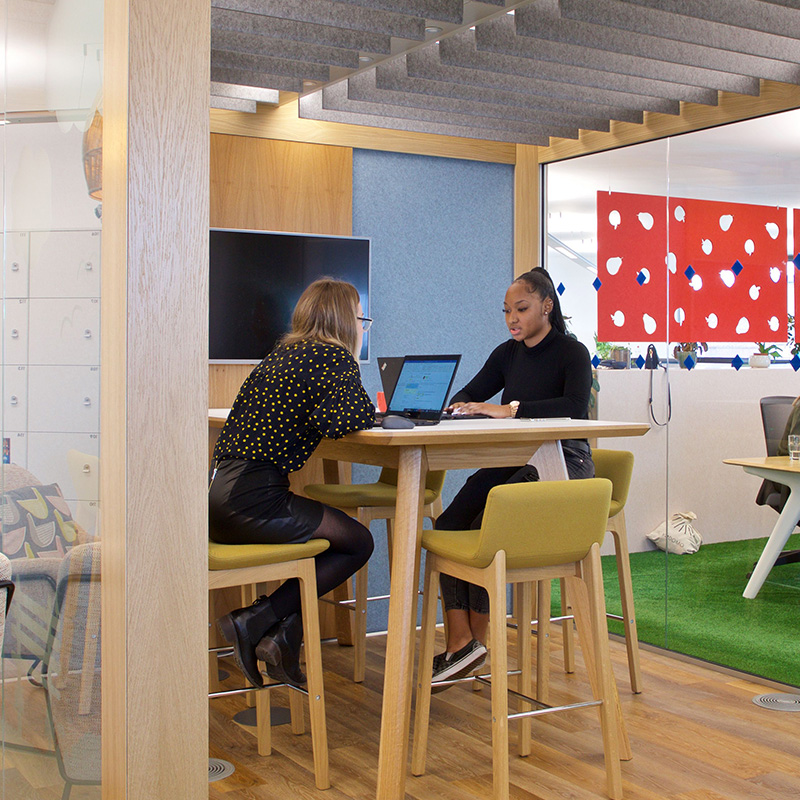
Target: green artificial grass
[693,604]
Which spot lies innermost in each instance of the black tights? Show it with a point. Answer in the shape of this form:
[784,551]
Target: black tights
[350,548]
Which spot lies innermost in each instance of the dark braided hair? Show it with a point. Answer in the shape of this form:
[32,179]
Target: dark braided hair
[538,281]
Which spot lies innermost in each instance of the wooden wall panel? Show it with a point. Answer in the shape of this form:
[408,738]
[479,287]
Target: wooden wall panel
[154,386]
[275,186]
[281,186]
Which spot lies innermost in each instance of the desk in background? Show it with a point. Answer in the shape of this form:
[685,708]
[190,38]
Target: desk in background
[780,469]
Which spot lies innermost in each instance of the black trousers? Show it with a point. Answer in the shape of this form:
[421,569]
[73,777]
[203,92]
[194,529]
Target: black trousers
[466,513]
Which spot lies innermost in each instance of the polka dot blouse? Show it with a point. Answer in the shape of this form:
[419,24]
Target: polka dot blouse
[295,396]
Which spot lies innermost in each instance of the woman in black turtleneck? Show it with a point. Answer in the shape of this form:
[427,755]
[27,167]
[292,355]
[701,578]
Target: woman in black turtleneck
[542,372]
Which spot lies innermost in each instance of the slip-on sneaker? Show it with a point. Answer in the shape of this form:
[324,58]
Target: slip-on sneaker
[452,666]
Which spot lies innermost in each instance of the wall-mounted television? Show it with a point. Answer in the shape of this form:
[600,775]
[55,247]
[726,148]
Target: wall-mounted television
[256,278]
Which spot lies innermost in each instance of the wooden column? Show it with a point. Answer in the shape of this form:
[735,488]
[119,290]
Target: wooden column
[527,210]
[154,388]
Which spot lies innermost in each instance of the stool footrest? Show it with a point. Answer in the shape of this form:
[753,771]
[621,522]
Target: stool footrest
[245,689]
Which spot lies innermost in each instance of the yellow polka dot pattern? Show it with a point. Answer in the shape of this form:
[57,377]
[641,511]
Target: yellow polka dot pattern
[293,398]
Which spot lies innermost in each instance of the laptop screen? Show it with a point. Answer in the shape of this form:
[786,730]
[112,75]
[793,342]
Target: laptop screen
[423,386]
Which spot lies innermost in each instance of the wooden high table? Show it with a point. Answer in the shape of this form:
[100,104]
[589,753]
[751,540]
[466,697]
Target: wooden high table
[780,469]
[450,445]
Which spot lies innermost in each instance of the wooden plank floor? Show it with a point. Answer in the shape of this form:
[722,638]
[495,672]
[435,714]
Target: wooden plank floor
[695,735]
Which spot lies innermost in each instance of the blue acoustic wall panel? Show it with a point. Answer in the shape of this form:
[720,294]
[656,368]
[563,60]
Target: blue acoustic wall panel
[442,234]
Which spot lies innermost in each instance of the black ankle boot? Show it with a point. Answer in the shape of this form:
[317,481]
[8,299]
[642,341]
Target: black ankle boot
[279,649]
[243,628]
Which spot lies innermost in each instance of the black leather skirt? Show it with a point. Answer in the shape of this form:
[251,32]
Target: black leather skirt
[249,502]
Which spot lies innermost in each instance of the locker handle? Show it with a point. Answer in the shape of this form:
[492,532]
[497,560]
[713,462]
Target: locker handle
[87,334]
[87,401]
[14,400]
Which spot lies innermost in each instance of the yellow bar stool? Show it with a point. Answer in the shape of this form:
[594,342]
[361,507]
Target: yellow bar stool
[367,502]
[245,564]
[530,532]
[617,466]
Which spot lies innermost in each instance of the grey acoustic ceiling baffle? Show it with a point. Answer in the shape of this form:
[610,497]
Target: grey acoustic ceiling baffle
[499,70]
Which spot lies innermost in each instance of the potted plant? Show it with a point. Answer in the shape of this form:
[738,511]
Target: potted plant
[764,355]
[683,350]
[791,338]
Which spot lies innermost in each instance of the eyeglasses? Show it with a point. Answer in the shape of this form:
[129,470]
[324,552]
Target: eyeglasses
[366,323]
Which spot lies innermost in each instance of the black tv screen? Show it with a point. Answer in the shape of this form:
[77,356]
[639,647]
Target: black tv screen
[258,276]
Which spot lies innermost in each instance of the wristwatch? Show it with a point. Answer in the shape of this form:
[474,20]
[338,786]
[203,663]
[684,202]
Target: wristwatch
[513,405]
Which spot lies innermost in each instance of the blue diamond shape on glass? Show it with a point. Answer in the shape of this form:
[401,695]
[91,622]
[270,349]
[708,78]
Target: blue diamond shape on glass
[561,288]
[639,362]
[595,361]
[597,283]
[795,362]
[689,362]
[796,261]
[737,363]
[689,272]
[737,267]
[640,279]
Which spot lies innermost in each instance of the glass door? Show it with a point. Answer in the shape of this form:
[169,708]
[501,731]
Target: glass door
[52,210]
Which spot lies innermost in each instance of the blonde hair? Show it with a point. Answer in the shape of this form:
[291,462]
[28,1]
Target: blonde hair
[326,312]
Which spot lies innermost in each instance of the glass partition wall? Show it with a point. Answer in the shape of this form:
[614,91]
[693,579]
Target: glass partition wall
[51,133]
[688,244]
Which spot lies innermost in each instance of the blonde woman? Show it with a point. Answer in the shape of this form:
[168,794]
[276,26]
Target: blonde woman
[308,387]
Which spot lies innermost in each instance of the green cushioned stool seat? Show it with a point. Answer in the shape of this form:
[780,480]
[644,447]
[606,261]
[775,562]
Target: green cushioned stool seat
[236,556]
[355,495]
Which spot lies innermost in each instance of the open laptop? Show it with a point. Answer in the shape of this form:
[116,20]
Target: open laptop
[389,369]
[422,388]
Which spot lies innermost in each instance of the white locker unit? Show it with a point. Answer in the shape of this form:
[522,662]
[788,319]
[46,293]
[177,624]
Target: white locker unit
[15,249]
[65,264]
[78,391]
[51,351]
[64,331]
[15,331]
[15,399]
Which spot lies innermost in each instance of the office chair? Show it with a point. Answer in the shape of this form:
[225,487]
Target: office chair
[775,411]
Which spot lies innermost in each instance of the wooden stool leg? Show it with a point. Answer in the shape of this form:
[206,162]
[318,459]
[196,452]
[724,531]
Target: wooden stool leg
[496,586]
[523,610]
[567,630]
[296,712]
[610,715]
[316,690]
[543,641]
[618,531]
[360,625]
[425,668]
[585,634]
[263,722]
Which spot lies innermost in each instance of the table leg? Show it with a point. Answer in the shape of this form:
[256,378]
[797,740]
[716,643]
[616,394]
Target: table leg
[549,462]
[398,672]
[777,539]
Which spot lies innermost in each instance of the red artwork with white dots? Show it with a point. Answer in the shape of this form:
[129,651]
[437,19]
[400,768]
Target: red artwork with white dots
[722,266]
[796,252]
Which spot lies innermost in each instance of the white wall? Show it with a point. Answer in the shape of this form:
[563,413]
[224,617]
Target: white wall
[715,415]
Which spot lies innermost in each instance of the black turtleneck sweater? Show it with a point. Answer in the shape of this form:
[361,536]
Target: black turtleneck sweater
[550,379]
